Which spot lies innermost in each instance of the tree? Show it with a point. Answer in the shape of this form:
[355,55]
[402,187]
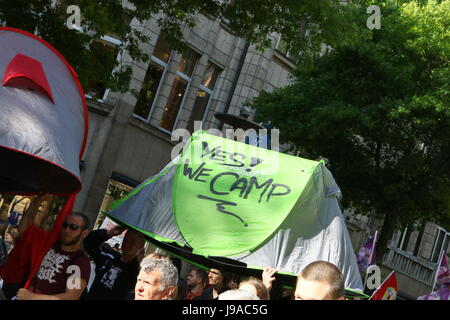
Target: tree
[327,22]
[379,111]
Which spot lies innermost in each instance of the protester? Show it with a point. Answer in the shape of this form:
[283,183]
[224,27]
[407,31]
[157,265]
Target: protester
[115,272]
[157,280]
[232,282]
[7,244]
[237,294]
[11,237]
[320,280]
[65,269]
[180,291]
[156,255]
[219,281]
[196,282]
[256,287]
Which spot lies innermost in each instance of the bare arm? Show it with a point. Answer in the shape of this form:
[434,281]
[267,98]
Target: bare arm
[69,294]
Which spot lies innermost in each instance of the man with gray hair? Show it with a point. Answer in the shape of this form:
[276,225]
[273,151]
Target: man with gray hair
[157,280]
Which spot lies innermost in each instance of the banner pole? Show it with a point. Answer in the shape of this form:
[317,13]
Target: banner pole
[370,257]
[373,246]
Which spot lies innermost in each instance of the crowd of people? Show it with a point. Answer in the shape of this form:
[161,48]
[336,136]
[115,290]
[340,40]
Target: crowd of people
[125,274]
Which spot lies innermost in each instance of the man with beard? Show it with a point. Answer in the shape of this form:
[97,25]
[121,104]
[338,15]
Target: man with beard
[196,282]
[220,281]
[65,269]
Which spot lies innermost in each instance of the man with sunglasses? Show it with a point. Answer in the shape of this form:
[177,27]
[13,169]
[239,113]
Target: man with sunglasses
[65,269]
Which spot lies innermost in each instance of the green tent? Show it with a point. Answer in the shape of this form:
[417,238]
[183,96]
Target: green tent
[229,205]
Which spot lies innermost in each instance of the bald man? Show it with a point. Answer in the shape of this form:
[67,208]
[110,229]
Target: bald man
[115,272]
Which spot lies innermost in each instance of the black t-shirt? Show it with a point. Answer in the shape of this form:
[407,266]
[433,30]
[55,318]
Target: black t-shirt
[114,279]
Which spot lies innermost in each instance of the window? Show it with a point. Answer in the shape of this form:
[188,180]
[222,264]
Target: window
[115,191]
[282,47]
[403,241]
[419,241]
[103,58]
[203,95]
[178,91]
[149,88]
[441,242]
[152,80]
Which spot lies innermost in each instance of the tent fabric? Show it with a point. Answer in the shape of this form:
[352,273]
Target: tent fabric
[314,228]
[229,197]
[154,205]
[41,141]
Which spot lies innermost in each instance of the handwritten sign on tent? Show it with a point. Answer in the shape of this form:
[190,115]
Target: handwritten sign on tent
[228,197]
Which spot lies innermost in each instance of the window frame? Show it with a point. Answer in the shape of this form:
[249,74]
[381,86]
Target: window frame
[187,91]
[117,43]
[436,240]
[152,107]
[208,91]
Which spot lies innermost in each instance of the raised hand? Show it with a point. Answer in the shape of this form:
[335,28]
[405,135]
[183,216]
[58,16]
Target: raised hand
[268,278]
[115,231]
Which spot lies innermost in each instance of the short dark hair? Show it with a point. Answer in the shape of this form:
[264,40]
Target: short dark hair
[325,272]
[86,222]
[14,232]
[202,274]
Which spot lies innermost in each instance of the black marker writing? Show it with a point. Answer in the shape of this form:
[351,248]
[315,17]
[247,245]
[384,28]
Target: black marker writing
[254,162]
[220,206]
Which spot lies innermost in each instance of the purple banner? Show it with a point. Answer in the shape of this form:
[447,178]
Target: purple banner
[443,275]
[366,255]
[441,294]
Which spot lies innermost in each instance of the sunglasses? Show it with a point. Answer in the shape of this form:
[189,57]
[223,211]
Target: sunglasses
[72,226]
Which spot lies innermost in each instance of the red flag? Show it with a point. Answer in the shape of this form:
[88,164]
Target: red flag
[388,289]
[26,256]
[51,237]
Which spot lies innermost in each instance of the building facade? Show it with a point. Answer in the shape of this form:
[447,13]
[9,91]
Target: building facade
[131,135]
[412,253]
